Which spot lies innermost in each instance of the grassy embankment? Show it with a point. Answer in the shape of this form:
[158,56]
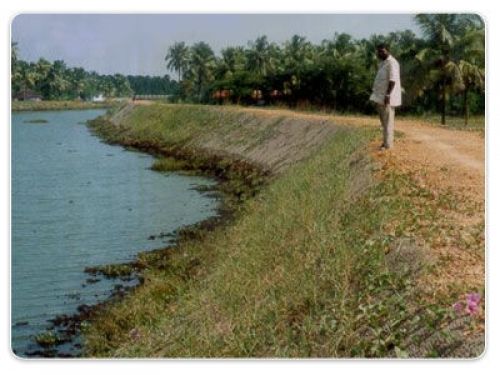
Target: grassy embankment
[56,105]
[324,261]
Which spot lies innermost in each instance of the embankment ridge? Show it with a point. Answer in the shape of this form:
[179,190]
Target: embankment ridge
[271,140]
[327,255]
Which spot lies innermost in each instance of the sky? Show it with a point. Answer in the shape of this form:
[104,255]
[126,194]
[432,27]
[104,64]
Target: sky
[138,43]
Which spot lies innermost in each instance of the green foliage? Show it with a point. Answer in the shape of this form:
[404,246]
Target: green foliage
[177,58]
[152,85]
[452,61]
[443,72]
[168,165]
[112,270]
[200,69]
[56,81]
[47,339]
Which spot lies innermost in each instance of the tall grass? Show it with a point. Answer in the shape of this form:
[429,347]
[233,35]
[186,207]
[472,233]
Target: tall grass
[309,268]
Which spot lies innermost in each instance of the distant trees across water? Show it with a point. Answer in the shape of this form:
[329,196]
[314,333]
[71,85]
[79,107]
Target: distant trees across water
[441,72]
[55,81]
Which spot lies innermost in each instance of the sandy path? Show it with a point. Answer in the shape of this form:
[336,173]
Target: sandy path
[443,158]
[447,162]
[446,147]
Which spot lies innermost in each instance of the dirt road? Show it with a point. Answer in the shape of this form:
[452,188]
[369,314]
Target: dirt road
[448,163]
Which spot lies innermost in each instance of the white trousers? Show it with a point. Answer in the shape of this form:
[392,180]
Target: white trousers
[386,113]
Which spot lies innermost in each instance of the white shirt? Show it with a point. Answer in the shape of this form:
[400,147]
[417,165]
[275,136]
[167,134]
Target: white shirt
[388,70]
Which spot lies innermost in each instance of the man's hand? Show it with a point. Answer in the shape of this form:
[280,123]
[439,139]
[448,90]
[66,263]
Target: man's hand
[387,98]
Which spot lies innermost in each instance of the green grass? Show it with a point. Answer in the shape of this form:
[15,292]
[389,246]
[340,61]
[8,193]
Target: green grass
[52,105]
[168,165]
[323,262]
[183,124]
[176,123]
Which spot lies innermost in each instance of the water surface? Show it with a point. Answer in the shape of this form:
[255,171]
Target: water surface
[78,202]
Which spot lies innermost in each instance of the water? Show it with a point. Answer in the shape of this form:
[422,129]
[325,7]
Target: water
[77,202]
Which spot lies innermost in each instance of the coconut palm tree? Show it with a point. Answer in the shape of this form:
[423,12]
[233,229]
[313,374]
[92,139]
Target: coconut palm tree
[15,68]
[298,52]
[42,68]
[437,66]
[437,72]
[177,58]
[41,71]
[77,78]
[473,78]
[472,65]
[56,84]
[232,59]
[27,80]
[259,56]
[201,66]
[14,58]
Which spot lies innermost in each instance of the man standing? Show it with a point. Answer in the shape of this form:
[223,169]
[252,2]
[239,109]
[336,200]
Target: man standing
[386,93]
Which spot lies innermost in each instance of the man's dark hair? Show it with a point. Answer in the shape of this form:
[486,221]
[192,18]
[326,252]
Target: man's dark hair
[383,46]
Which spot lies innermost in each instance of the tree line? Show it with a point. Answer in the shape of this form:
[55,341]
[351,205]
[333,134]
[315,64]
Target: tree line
[442,71]
[56,81]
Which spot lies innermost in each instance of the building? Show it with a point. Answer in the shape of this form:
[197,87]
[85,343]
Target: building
[28,95]
[98,98]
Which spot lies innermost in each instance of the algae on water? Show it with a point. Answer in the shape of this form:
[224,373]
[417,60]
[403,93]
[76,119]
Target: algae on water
[36,121]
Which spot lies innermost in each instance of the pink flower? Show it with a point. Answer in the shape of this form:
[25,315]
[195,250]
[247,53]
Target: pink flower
[470,306]
[458,307]
[473,300]
[473,297]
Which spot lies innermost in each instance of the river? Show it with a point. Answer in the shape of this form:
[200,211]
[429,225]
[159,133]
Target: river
[78,202]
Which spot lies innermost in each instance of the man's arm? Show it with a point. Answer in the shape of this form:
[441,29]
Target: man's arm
[390,86]
[393,76]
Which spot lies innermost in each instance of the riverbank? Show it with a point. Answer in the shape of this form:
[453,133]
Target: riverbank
[324,259]
[58,105]
[59,198]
